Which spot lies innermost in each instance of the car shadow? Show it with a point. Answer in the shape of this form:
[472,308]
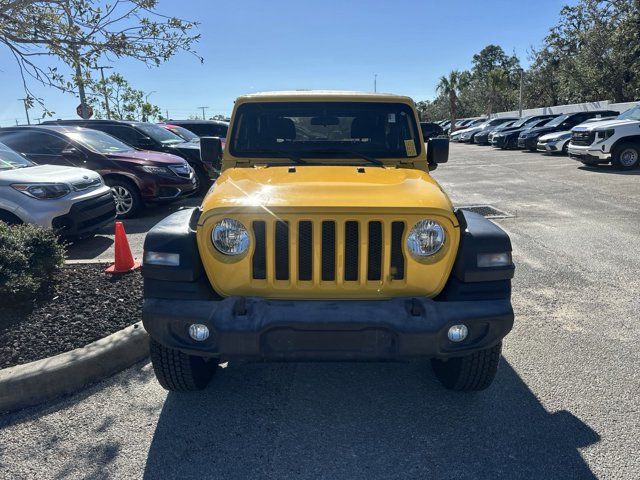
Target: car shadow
[89,247]
[362,421]
[610,169]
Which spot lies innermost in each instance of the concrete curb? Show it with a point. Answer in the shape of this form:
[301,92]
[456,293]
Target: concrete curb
[81,261]
[37,382]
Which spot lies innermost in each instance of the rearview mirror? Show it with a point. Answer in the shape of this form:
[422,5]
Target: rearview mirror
[211,151]
[146,142]
[325,120]
[437,151]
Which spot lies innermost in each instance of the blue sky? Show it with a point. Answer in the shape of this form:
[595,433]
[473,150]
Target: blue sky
[251,45]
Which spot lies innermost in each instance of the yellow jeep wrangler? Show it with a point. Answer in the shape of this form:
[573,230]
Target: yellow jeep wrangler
[325,238]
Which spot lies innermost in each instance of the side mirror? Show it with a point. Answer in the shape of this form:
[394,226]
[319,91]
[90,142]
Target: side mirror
[72,152]
[437,151]
[146,142]
[211,151]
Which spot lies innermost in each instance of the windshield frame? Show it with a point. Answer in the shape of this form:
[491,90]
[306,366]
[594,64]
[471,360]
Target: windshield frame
[321,152]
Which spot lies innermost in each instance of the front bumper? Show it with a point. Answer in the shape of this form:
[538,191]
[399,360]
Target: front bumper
[481,139]
[499,142]
[327,329]
[156,188]
[86,216]
[586,154]
[530,142]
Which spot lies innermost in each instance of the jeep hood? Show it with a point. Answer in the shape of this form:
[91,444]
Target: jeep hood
[326,187]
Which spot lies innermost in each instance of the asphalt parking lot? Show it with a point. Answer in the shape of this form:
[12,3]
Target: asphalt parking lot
[564,404]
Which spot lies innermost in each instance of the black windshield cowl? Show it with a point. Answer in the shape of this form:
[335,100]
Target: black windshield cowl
[294,158]
[351,153]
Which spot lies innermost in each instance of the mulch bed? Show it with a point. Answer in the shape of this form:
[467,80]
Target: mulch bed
[83,305]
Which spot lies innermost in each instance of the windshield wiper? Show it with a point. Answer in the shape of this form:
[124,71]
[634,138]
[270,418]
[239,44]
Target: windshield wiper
[295,159]
[369,159]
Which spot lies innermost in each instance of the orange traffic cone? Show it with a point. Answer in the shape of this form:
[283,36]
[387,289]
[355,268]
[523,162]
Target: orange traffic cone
[124,261]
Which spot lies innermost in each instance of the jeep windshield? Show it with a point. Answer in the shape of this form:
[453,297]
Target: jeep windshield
[362,131]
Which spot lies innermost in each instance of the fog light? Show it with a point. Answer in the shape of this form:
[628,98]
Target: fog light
[199,332]
[458,333]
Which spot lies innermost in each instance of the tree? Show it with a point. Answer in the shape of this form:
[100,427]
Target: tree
[450,87]
[81,33]
[125,102]
[495,80]
[498,81]
[593,52]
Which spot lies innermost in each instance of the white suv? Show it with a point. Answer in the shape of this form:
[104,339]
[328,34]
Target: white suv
[610,141]
[73,201]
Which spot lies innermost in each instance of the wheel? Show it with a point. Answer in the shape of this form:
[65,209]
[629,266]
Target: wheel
[179,372]
[9,218]
[469,373]
[127,197]
[533,149]
[627,156]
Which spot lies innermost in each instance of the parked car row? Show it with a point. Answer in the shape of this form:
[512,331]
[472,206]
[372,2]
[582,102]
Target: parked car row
[593,138]
[75,176]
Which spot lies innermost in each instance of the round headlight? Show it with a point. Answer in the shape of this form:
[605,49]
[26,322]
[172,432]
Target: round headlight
[230,237]
[425,238]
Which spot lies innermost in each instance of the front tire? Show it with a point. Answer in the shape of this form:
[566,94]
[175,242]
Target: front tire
[627,156]
[127,197]
[178,372]
[469,373]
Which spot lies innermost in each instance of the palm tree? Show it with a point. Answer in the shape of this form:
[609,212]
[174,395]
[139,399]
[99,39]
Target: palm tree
[450,86]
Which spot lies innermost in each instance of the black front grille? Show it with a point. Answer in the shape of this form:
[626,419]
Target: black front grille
[351,249]
[87,215]
[583,138]
[260,254]
[282,250]
[305,251]
[328,251]
[374,263]
[397,255]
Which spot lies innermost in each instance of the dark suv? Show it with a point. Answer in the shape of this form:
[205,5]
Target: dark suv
[203,128]
[149,136]
[135,177]
[528,139]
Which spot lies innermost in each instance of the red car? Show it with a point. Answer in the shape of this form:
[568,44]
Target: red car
[135,176]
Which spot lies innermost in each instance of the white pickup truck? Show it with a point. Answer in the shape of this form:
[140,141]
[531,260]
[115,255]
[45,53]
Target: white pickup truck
[610,141]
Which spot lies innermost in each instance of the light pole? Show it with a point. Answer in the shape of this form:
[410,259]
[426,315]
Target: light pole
[375,82]
[203,109]
[520,98]
[146,102]
[26,109]
[104,91]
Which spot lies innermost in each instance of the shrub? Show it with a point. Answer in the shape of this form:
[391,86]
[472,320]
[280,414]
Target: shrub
[29,257]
